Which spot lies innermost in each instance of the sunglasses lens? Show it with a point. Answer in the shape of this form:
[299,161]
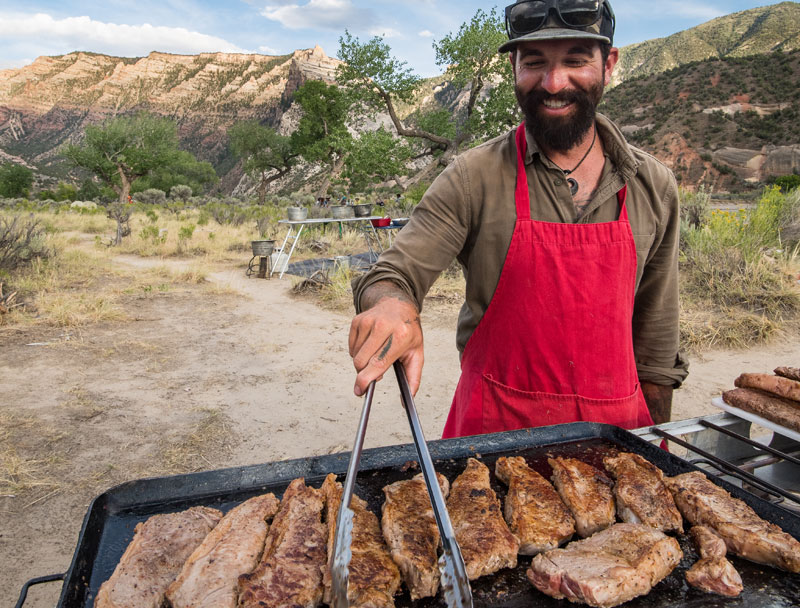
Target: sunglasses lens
[579,13]
[525,17]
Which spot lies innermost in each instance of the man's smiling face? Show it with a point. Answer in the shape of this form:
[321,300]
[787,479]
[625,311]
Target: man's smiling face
[558,84]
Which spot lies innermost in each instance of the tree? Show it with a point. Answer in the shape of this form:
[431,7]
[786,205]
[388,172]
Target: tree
[185,170]
[267,155]
[379,81]
[15,180]
[375,156]
[322,135]
[124,149]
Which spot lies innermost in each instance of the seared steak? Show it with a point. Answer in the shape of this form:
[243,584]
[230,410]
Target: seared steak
[708,542]
[289,574]
[410,530]
[487,544]
[642,496]
[374,577]
[745,533]
[209,577]
[533,509]
[154,558]
[715,575]
[712,572]
[611,567]
[587,493]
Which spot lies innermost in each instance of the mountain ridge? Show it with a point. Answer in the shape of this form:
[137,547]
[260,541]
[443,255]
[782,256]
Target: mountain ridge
[50,102]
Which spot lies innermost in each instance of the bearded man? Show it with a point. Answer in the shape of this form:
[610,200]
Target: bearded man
[568,239]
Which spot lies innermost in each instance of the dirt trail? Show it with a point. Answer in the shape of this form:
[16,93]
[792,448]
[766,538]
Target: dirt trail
[231,379]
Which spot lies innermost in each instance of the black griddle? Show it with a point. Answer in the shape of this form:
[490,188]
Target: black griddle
[112,516]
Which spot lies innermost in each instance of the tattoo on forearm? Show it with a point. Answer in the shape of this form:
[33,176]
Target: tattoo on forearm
[386,347]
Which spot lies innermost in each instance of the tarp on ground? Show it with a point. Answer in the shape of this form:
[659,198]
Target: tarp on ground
[359,261]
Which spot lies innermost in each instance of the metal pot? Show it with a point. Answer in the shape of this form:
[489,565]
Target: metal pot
[362,210]
[297,214]
[262,248]
[340,212]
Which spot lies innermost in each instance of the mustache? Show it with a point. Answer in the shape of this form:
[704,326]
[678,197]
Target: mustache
[540,96]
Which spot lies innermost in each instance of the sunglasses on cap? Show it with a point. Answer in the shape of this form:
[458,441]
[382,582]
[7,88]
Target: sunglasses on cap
[531,15]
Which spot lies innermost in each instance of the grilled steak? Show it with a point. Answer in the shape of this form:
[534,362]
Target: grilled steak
[154,558]
[410,530]
[745,533]
[374,577]
[209,577]
[712,572]
[534,511]
[642,496]
[715,575]
[487,544]
[587,493]
[611,567]
[777,409]
[290,571]
[776,385]
[708,543]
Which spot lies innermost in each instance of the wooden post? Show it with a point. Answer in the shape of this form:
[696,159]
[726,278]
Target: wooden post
[262,267]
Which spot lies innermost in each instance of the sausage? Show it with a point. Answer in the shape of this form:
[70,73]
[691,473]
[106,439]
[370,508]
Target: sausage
[782,387]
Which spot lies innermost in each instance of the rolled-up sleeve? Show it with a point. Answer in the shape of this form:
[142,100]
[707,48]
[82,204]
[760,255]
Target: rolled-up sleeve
[434,235]
[656,326]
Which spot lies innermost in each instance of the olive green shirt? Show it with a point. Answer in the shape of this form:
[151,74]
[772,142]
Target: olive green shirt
[469,213]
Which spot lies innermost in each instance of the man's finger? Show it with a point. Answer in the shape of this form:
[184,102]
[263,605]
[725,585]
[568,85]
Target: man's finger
[376,365]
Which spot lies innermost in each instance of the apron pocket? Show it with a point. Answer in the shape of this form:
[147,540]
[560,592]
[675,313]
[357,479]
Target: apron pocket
[622,412]
[508,409]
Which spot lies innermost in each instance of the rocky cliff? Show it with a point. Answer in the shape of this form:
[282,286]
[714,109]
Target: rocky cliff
[52,100]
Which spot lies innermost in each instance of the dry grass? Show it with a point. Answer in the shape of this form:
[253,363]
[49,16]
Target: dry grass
[202,447]
[26,456]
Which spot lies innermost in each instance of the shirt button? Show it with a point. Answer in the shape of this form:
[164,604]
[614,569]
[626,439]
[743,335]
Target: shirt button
[558,182]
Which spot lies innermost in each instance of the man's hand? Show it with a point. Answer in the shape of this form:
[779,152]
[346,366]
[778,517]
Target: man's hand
[659,401]
[389,329]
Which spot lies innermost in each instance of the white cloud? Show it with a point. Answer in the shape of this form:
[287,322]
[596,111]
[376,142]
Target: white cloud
[268,50]
[318,14]
[384,32]
[84,33]
[426,34]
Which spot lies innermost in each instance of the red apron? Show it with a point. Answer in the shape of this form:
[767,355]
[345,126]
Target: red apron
[555,344]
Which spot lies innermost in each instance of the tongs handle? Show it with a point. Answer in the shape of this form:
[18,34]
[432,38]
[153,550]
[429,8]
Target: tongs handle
[342,554]
[355,457]
[456,589]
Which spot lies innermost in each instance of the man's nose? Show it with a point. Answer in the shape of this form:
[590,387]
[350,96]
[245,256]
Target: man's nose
[555,80]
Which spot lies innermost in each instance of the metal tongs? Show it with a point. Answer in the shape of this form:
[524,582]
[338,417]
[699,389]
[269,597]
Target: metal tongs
[454,581]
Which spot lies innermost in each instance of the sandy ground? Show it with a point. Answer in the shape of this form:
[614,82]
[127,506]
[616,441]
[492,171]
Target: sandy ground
[200,380]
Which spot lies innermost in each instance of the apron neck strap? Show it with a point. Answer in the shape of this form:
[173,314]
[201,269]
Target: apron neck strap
[522,196]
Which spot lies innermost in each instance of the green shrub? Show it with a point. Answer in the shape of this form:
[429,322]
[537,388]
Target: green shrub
[180,193]
[151,196]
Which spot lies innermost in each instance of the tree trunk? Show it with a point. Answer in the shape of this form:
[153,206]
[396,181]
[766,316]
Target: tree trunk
[120,212]
[335,170]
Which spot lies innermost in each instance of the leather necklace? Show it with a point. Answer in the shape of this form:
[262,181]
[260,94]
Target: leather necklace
[573,183]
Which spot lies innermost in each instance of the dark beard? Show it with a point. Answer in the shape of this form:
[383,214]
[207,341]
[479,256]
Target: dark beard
[560,134]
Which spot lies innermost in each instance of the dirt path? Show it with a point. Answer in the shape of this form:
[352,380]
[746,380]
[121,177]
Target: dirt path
[201,380]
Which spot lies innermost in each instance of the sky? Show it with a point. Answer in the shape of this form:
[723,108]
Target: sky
[31,28]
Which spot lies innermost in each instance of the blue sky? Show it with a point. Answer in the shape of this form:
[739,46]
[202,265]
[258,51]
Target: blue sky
[31,28]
